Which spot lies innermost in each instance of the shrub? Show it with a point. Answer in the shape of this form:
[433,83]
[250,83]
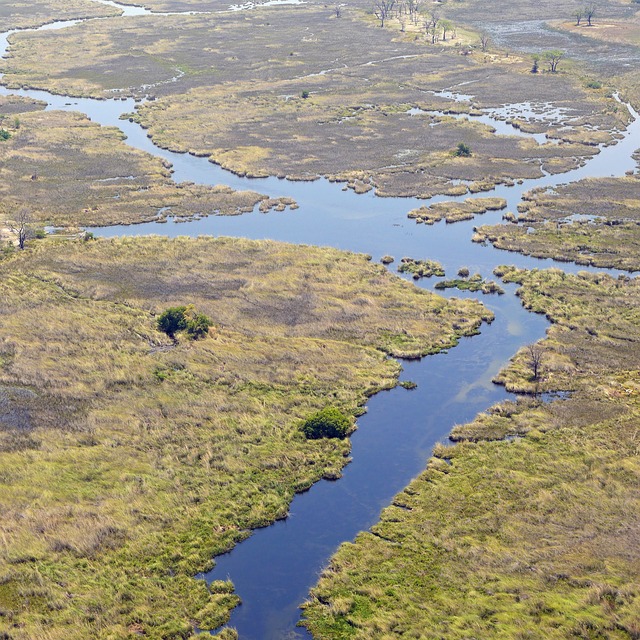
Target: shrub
[305,94]
[329,422]
[198,325]
[4,134]
[172,320]
[463,272]
[462,150]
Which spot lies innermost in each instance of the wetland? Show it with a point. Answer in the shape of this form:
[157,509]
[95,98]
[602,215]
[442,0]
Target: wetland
[130,462]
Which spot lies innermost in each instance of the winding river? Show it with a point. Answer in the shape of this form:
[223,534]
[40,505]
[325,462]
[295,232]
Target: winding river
[274,569]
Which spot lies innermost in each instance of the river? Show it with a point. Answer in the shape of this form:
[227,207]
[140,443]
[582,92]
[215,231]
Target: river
[274,568]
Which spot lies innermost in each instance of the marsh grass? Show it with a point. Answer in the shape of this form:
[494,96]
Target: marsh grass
[532,536]
[127,462]
[69,171]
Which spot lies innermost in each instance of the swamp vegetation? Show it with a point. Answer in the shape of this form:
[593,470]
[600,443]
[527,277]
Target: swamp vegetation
[131,456]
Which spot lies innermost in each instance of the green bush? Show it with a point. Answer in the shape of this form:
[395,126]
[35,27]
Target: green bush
[329,422]
[198,325]
[462,150]
[172,320]
[4,134]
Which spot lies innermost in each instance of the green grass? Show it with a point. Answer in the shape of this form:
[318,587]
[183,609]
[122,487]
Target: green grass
[530,537]
[128,461]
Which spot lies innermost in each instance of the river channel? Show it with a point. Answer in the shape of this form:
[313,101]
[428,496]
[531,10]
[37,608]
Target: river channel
[274,569]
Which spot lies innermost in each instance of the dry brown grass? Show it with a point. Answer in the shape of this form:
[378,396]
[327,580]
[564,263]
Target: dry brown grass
[69,171]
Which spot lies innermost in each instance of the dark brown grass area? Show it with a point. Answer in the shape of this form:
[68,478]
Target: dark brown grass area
[21,15]
[239,79]
[10,106]
[592,222]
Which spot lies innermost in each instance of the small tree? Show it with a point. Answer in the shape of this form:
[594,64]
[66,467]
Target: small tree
[463,272]
[534,356]
[22,227]
[484,41]
[462,150]
[329,422]
[382,9]
[589,12]
[552,58]
[446,25]
[172,320]
[579,14]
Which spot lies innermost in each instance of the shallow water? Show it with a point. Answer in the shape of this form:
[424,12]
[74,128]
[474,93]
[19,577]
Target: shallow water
[274,569]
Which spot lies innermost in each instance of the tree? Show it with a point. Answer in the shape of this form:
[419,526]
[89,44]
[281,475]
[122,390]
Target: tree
[589,13]
[22,227]
[383,9]
[446,25]
[462,150]
[172,320]
[4,134]
[552,58]
[484,41]
[579,14]
[534,356]
[329,422]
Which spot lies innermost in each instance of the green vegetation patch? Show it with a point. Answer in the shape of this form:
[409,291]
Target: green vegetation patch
[420,268]
[528,537]
[475,283]
[128,461]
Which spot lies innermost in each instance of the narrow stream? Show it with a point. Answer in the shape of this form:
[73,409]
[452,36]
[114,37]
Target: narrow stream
[274,569]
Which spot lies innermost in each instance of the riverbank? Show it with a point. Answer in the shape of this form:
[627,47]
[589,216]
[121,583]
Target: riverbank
[527,527]
[130,461]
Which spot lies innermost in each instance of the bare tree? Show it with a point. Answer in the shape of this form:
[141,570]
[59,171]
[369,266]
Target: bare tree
[338,10]
[484,41]
[534,355]
[383,9]
[578,14]
[21,226]
[589,12]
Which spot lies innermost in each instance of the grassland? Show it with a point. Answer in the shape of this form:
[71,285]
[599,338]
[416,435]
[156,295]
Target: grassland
[591,222]
[21,15]
[68,171]
[231,86]
[531,537]
[128,461]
